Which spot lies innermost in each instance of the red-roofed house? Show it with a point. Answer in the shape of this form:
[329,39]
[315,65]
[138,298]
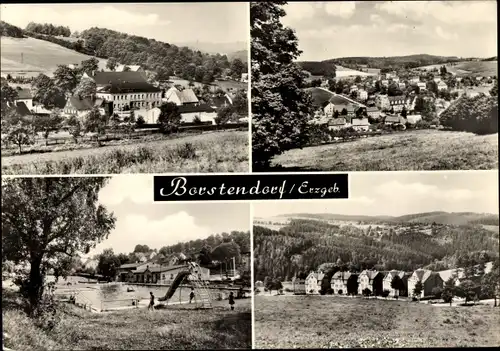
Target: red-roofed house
[80,107]
[24,95]
[181,98]
[387,283]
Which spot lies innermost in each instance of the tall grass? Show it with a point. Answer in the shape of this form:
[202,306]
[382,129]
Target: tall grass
[134,329]
[408,151]
[226,153]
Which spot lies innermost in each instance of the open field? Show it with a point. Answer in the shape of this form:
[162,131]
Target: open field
[39,56]
[343,72]
[472,68]
[225,151]
[137,329]
[342,322]
[405,151]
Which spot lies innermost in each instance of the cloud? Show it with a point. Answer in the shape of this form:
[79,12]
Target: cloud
[137,229]
[445,35]
[299,10]
[377,19]
[396,27]
[340,9]
[136,188]
[401,190]
[455,12]
[80,18]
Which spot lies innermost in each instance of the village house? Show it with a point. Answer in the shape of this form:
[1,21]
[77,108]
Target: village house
[244,77]
[422,86]
[395,79]
[353,88]
[362,94]
[81,107]
[384,82]
[126,90]
[299,286]
[371,279]
[203,112]
[181,98]
[373,112]
[442,86]
[394,120]
[360,124]
[152,115]
[402,85]
[24,96]
[397,103]
[340,281]
[131,68]
[337,123]
[414,80]
[313,282]
[437,79]
[429,280]
[382,102]
[413,119]
[387,283]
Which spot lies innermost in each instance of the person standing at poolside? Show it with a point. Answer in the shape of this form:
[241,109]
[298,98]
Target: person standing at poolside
[151,301]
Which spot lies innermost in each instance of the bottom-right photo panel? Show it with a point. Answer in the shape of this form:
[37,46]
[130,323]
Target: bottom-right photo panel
[409,260]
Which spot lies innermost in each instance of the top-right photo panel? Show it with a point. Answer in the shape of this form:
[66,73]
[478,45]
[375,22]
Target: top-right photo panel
[374,86]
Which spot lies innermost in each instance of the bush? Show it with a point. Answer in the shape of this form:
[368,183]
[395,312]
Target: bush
[186,151]
[478,114]
[385,293]
[366,292]
[437,292]
[340,292]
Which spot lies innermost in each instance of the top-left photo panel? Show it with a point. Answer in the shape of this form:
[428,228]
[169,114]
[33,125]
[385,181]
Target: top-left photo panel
[89,88]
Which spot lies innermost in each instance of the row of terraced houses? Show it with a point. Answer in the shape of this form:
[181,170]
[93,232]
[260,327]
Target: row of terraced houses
[378,281]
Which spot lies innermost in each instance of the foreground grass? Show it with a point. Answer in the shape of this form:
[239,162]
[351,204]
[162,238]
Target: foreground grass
[408,151]
[208,152]
[341,322]
[136,329]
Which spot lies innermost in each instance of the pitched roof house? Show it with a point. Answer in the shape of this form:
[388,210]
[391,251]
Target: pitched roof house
[387,283]
[429,280]
[360,124]
[370,279]
[390,119]
[180,98]
[80,107]
[340,280]
[373,112]
[313,282]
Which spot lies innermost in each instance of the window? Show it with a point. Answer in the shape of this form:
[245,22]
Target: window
[171,276]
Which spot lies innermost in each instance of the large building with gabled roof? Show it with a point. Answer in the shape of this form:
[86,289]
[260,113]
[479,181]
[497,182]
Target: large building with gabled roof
[126,90]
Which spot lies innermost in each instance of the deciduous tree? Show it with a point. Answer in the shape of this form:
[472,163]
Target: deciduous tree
[280,108]
[49,124]
[66,78]
[45,220]
[170,118]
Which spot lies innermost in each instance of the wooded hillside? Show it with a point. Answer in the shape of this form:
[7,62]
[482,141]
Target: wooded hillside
[304,245]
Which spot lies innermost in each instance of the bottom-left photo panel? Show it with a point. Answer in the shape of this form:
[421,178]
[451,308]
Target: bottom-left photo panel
[93,263]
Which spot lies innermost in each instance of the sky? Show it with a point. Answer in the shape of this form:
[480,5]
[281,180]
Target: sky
[384,28]
[401,193]
[141,221]
[172,23]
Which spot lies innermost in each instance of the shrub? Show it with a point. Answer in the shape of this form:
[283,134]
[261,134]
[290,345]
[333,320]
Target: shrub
[478,114]
[385,293]
[186,151]
[340,292]
[366,292]
[437,292]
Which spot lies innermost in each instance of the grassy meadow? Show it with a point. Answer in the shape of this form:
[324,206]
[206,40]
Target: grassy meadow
[135,329]
[225,151]
[342,322]
[39,56]
[407,151]
[466,68]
